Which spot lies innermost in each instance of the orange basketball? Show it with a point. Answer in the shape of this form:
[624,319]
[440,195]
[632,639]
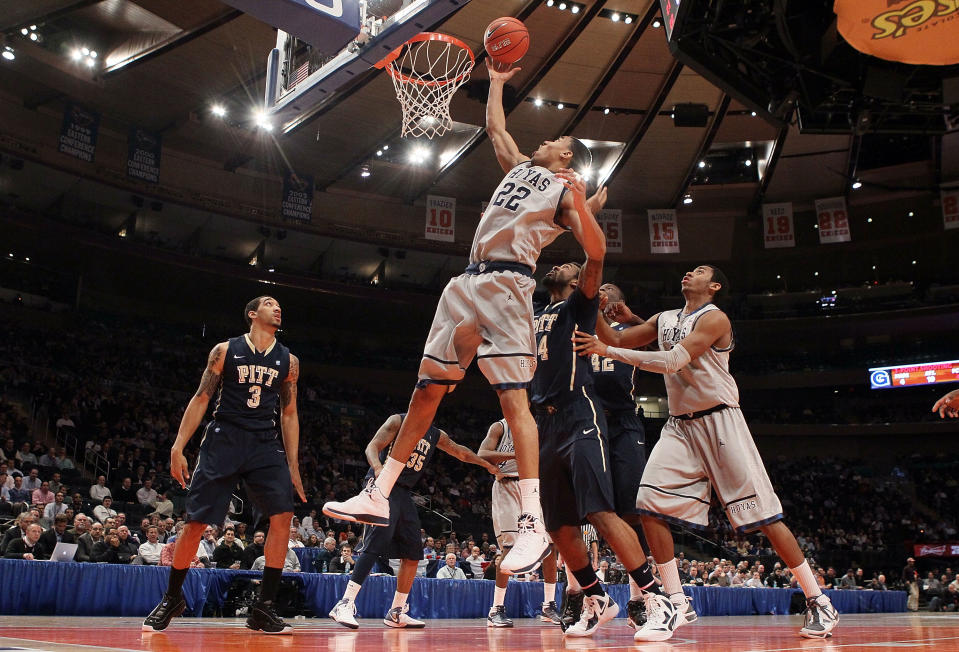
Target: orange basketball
[506,40]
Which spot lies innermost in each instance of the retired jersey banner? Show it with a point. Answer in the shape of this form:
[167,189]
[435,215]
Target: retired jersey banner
[833,220]
[778,231]
[920,32]
[440,218]
[297,196]
[143,155]
[950,208]
[610,220]
[663,232]
[78,133]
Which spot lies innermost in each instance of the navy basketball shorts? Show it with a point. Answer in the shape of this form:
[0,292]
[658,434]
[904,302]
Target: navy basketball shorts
[228,455]
[574,463]
[401,538]
[627,452]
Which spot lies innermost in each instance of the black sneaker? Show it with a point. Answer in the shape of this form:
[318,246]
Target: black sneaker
[636,613]
[549,613]
[497,617]
[168,609]
[572,608]
[263,618]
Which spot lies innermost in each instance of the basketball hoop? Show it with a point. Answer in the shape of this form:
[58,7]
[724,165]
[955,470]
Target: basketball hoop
[426,71]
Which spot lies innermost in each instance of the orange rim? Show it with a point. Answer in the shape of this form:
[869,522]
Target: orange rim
[424,36]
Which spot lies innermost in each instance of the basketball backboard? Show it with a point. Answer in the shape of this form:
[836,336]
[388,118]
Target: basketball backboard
[302,77]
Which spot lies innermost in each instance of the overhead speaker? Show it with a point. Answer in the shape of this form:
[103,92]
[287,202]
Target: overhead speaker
[690,115]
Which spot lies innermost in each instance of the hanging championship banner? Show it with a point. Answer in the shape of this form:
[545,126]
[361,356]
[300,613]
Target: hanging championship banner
[610,220]
[440,218]
[833,220]
[143,155]
[778,231]
[78,134]
[950,208]
[297,196]
[663,232]
[921,32]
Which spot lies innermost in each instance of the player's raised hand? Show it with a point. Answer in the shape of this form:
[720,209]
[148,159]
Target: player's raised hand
[948,405]
[573,182]
[618,311]
[298,484]
[587,344]
[178,467]
[496,73]
[597,201]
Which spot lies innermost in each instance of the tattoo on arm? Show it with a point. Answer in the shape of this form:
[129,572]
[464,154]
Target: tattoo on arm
[591,278]
[288,389]
[210,381]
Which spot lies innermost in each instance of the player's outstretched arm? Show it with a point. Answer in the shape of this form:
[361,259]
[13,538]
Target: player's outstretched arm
[629,338]
[487,449]
[195,410]
[507,153]
[463,454]
[384,436]
[290,425]
[948,405]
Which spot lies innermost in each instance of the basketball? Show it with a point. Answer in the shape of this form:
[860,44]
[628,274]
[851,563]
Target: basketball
[506,40]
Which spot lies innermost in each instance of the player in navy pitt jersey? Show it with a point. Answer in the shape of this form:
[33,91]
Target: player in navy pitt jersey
[401,538]
[256,377]
[574,450]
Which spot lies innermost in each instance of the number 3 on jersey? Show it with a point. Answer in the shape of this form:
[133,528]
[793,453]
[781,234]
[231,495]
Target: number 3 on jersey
[254,400]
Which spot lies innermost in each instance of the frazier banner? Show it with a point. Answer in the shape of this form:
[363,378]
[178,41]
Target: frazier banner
[440,218]
[921,32]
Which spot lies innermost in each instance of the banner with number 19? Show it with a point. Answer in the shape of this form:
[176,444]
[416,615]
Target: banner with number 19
[778,231]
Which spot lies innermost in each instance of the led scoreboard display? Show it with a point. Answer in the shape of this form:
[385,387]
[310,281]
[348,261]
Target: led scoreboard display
[910,375]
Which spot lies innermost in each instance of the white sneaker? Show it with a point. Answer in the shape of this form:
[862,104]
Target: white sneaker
[662,619]
[685,612]
[370,507]
[344,612]
[821,617]
[397,617]
[530,549]
[597,609]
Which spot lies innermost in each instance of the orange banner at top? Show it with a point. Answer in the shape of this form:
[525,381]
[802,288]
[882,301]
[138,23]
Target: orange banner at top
[922,32]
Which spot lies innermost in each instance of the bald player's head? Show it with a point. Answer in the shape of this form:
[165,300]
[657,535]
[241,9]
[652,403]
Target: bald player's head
[613,293]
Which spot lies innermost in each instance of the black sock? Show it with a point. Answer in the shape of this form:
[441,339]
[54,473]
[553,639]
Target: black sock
[271,583]
[643,576]
[363,567]
[638,529]
[175,585]
[588,580]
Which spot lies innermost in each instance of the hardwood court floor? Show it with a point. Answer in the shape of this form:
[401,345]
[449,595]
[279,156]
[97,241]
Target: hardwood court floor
[866,632]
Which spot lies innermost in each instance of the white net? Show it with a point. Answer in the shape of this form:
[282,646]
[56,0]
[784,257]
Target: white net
[426,72]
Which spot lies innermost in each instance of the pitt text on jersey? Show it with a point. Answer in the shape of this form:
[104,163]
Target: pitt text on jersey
[254,375]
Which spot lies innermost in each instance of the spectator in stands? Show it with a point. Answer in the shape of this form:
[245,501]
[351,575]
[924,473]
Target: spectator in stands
[294,541]
[954,582]
[54,508]
[475,561]
[8,478]
[20,497]
[9,449]
[694,578]
[48,459]
[848,580]
[64,463]
[124,495]
[81,525]
[931,586]
[57,534]
[603,572]
[17,530]
[228,554]
[141,532]
[207,544]
[949,601]
[429,549]
[310,524]
[56,485]
[25,456]
[42,496]
[104,551]
[911,579]
[290,565]
[79,505]
[344,563]
[450,571]
[754,582]
[253,550]
[321,562]
[164,506]
[128,546]
[27,546]
[147,495]
[166,555]
[242,539]
[879,584]
[100,490]
[490,572]
[86,543]
[149,551]
[32,482]
[105,510]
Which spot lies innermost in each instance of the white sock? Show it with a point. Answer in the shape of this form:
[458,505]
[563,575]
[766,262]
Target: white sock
[571,584]
[399,599]
[499,597]
[352,588]
[807,580]
[635,593]
[387,478]
[669,573]
[529,497]
[549,592]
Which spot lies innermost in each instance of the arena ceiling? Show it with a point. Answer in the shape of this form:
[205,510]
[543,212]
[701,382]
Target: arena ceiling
[164,64]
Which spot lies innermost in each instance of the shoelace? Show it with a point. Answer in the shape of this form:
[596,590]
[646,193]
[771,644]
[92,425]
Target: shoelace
[527,522]
[588,610]
[654,609]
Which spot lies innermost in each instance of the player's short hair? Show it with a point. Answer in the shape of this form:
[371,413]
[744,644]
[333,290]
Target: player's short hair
[582,156]
[253,305]
[719,277]
[618,291]
[579,268]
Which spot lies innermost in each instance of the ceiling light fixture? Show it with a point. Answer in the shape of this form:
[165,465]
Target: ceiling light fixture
[687,199]
[606,111]
[628,20]
[218,110]
[560,106]
[657,23]
[857,184]
[537,102]
[365,170]
[8,53]
[575,9]
[614,18]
